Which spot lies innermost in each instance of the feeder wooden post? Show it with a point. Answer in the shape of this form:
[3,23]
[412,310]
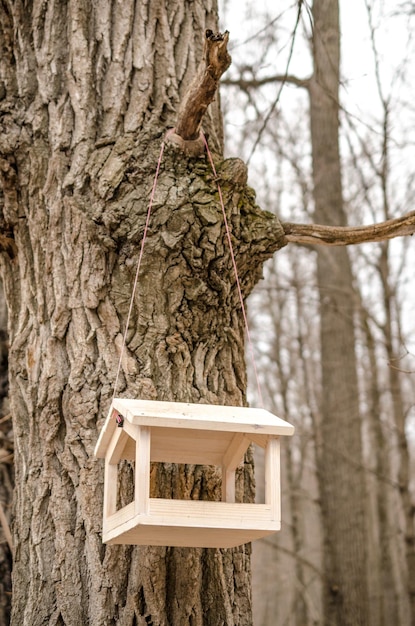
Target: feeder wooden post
[142,470]
[272,477]
[232,458]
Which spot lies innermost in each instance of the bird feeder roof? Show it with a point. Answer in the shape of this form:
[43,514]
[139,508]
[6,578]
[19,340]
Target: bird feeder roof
[180,415]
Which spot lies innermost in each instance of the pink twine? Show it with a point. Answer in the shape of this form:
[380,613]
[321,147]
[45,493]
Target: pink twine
[228,235]
[150,205]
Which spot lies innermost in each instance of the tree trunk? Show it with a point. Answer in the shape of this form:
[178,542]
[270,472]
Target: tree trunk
[399,413]
[340,459]
[6,472]
[386,606]
[88,94]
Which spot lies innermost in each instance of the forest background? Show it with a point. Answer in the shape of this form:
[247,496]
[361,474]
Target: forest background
[267,123]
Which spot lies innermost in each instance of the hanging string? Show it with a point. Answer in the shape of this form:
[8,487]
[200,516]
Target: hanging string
[228,235]
[238,284]
[150,205]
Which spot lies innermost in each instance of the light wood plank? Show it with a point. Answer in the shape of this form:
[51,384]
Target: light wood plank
[105,435]
[191,523]
[235,451]
[142,470]
[129,450]
[209,514]
[116,447]
[110,488]
[202,416]
[120,517]
[186,536]
[272,477]
[200,447]
[228,485]
[259,440]
[130,429]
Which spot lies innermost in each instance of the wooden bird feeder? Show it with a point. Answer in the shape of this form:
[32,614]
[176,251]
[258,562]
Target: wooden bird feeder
[200,434]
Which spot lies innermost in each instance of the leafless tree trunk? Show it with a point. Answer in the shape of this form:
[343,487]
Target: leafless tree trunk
[385,606]
[88,92]
[340,458]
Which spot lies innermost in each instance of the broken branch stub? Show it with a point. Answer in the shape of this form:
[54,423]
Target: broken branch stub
[202,91]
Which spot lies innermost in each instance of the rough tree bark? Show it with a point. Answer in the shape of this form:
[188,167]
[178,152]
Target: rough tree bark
[87,94]
[340,457]
[6,473]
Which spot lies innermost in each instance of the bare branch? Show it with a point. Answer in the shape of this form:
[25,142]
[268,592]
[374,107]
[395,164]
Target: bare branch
[317,234]
[277,99]
[215,62]
[254,83]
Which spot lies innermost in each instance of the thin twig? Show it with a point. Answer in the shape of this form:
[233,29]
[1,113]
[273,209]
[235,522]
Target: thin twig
[284,80]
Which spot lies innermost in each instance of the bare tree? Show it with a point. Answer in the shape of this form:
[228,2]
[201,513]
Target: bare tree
[340,458]
[87,98]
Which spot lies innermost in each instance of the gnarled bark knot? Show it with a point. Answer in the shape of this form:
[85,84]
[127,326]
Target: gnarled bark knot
[201,93]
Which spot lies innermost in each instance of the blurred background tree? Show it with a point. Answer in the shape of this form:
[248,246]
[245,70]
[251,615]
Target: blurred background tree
[328,130]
